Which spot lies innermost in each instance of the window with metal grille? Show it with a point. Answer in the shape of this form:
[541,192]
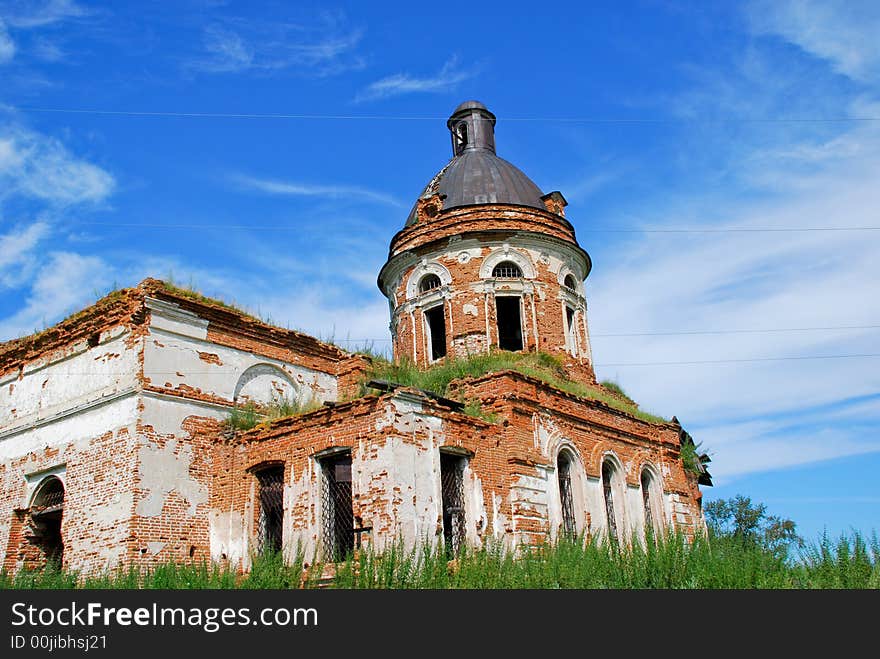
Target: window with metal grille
[507,270]
[47,511]
[338,516]
[507,309]
[651,525]
[452,490]
[429,282]
[270,527]
[563,471]
[436,323]
[569,282]
[607,486]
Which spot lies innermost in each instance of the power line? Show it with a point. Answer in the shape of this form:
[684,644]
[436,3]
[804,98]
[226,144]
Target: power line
[743,331]
[695,332]
[292,227]
[388,117]
[668,363]
[738,361]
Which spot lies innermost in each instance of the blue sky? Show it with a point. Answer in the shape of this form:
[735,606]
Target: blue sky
[267,152]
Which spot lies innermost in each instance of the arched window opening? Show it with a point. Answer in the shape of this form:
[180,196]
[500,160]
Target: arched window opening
[270,525]
[507,270]
[436,324]
[652,501]
[429,282]
[507,308]
[570,330]
[47,510]
[338,514]
[452,493]
[569,282]
[646,499]
[461,137]
[563,471]
[607,487]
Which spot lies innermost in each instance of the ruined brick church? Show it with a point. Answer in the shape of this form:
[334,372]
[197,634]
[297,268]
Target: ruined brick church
[115,446]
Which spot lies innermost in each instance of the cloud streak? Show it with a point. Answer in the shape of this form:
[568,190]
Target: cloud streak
[27,15]
[298,189]
[323,49]
[66,281]
[446,79]
[846,33]
[37,166]
[7,45]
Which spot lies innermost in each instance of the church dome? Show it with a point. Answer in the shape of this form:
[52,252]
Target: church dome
[475,175]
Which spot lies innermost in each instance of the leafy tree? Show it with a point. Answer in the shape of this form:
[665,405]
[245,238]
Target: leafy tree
[749,523]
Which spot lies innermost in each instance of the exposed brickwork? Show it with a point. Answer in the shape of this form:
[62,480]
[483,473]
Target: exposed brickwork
[125,403]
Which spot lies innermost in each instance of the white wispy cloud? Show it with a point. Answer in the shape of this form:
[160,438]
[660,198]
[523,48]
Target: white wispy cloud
[17,257]
[758,416]
[37,166]
[29,14]
[227,51]
[7,45]
[844,32]
[325,48]
[446,79]
[299,189]
[63,283]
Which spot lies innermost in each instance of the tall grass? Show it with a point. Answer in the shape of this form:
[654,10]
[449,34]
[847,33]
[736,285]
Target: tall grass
[719,562]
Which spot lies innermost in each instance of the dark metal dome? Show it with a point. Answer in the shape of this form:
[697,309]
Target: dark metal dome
[475,175]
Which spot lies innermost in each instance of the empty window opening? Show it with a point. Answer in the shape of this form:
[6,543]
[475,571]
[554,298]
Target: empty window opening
[436,322]
[570,330]
[507,270]
[270,528]
[47,510]
[338,515]
[461,137]
[429,282]
[452,489]
[509,323]
[607,477]
[563,470]
[569,282]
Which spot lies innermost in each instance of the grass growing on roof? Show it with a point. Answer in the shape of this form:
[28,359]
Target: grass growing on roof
[539,365]
[250,415]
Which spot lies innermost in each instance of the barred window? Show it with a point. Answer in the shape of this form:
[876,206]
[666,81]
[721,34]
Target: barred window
[563,473]
[569,282]
[429,282]
[507,270]
[609,474]
[271,521]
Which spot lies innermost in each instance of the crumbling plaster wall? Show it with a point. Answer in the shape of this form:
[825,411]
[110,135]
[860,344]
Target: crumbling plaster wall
[395,444]
[180,359]
[73,413]
[94,453]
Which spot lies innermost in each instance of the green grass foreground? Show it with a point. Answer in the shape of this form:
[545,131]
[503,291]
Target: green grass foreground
[716,563]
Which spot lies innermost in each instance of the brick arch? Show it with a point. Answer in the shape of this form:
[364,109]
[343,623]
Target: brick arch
[425,268]
[634,473]
[594,464]
[264,383]
[506,253]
